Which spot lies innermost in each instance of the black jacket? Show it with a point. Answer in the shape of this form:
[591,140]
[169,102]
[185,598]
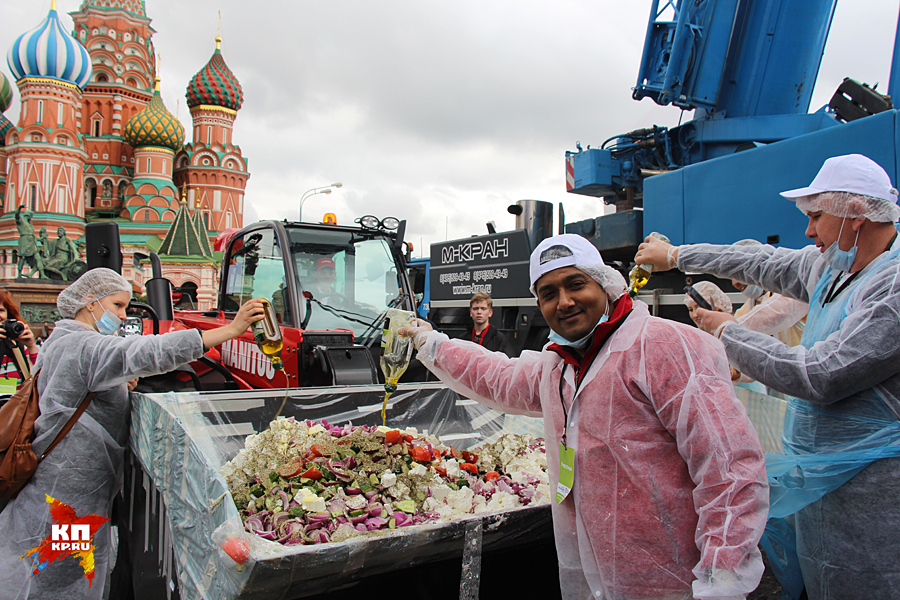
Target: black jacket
[491,338]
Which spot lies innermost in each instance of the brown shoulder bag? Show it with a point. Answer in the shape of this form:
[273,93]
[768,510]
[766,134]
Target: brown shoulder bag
[18,462]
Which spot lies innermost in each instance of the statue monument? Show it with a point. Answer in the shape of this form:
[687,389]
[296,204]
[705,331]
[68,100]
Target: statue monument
[56,260]
[29,254]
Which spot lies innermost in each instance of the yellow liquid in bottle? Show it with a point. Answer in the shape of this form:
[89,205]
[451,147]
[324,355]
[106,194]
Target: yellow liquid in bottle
[268,338]
[637,278]
[640,274]
[395,355]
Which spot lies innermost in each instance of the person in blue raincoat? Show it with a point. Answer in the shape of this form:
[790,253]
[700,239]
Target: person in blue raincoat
[839,477]
[85,354]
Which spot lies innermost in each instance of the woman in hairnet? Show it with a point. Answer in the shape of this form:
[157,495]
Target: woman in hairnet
[842,427]
[84,354]
[661,486]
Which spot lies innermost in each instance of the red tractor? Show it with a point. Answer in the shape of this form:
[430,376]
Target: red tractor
[330,285]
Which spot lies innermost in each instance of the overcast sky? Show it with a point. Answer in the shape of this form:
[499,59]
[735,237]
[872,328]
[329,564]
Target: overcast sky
[440,113]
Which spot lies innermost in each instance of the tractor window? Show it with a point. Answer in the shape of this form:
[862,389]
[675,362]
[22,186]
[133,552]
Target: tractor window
[352,279]
[256,270]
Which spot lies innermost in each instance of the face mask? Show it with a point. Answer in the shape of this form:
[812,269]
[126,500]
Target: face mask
[753,292]
[109,323]
[580,344]
[841,260]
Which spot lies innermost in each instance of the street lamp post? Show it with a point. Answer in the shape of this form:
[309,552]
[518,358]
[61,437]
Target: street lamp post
[312,192]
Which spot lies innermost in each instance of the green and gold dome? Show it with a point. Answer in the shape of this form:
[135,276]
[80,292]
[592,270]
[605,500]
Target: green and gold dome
[6,93]
[155,126]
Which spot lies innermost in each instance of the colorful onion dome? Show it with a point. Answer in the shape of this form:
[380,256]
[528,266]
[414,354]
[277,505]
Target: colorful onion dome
[155,126]
[215,84]
[5,126]
[49,51]
[6,95]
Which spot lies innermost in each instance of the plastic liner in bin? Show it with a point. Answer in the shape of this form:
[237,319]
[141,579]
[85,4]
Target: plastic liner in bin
[183,439]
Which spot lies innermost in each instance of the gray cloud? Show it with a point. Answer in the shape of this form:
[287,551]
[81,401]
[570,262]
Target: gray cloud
[442,113]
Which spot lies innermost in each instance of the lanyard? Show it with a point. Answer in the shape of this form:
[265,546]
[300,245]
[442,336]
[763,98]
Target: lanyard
[480,337]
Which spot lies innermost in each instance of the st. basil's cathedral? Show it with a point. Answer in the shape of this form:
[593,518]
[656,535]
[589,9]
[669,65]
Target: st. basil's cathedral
[94,142]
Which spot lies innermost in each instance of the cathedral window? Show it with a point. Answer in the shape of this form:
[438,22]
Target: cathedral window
[59,113]
[102,78]
[146,216]
[95,127]
[40,112]
[33,197]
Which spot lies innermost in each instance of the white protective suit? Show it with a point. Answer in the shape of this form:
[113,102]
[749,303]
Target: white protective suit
[85,469]
[844,418]
[670,482]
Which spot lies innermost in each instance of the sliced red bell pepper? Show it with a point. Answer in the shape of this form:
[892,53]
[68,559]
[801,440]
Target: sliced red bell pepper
[393,437]
[469,467]
[491,475]
[469,457]
[455,453]
[440,470]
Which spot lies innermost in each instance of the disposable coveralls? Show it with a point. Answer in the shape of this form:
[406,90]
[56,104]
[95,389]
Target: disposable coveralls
[842,432]
[84,471]
[669,476]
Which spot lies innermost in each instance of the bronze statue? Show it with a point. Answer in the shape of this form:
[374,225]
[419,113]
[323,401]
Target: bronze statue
[28,250]
[63,253]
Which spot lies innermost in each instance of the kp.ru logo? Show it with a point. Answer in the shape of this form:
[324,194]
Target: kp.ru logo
[70,535]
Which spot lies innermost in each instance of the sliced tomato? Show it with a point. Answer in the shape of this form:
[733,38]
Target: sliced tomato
[393,437]
[238,549]
[313,473]
[420,454]
[435,455]
[291,469]
[469,457]
[440,470]
[469,467]
[315,451]
[407,438]
[491,475]
[455,453]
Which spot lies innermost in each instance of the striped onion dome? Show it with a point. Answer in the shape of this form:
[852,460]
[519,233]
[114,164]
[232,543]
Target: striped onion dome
[5,126]
[6,95]
[215,84]
[155,126]
[49,51]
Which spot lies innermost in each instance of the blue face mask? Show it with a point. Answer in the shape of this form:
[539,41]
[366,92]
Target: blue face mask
[841,260]
[753,292]
[109,323]
[580,344]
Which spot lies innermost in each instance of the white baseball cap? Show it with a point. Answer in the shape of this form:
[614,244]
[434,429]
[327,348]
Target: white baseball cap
[852,173]
[571,250]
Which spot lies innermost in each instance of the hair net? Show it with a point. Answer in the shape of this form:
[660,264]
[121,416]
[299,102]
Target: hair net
[850,186]
[747,242]
[571,250]
[713,294]
[93,285]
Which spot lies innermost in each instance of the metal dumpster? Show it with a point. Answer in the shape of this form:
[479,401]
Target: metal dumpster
[175,500]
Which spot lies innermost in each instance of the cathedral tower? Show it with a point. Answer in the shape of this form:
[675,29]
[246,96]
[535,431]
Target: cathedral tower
[117,35]
[156,136]
[46,152]
[211,165]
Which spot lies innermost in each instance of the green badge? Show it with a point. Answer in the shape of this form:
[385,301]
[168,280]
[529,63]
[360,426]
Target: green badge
[8,386]
[566,472]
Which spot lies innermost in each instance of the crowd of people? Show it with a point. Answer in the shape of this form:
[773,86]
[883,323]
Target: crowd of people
[662,489]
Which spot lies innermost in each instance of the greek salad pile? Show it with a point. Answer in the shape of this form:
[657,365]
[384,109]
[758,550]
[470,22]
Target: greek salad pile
[303,482]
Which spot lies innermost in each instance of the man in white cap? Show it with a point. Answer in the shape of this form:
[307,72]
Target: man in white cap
[660,479]
[840,475]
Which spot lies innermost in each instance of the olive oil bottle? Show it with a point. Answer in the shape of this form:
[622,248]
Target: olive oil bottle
[396,351]
[268,338]
[640,274]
